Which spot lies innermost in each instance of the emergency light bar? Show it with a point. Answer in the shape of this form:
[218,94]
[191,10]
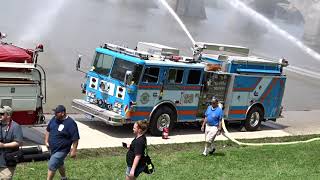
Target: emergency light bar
[239,50]
[127,51]
[157,49]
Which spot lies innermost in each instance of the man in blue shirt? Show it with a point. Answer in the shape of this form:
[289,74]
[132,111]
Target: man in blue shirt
[211,125]
[62,132]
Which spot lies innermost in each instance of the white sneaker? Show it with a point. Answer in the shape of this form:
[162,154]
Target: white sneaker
[205,153]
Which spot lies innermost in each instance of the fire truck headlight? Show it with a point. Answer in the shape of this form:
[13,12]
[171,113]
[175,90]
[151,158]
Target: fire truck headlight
[91,94]
[100,102]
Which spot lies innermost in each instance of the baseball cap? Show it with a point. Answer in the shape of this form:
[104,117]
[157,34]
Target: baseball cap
[59,108]
[214,99]
[6,109]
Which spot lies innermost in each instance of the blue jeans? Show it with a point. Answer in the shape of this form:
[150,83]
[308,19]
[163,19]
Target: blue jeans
[137,172]
[56,160]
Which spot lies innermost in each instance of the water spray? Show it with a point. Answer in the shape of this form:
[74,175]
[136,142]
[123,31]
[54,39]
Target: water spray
[242,7]
[166,5]
[42,21]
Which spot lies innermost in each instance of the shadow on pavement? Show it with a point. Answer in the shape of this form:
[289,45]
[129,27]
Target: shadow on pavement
[124,131]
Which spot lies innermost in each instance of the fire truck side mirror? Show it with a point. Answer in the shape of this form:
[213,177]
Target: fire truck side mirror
[78,65]
[128,77]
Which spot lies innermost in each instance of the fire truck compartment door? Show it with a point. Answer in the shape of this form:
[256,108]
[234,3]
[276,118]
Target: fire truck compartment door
[22,96]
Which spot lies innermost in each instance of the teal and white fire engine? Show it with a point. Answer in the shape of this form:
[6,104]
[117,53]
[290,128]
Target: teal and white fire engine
[155,84]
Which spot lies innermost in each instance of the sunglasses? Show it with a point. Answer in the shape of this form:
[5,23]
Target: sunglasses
[1,114]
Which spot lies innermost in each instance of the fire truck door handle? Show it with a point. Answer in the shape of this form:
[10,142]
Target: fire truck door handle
[155,94]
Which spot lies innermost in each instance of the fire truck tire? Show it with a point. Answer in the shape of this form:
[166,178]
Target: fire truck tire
[254,119]
[164,116]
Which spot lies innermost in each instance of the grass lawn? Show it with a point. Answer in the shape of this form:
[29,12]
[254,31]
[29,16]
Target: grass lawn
[184,161]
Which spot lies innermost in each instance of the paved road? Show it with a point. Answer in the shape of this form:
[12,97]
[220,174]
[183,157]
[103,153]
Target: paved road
[98,134]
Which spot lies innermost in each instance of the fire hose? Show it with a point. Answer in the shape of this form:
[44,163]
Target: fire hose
[34,153]
[228,135]
[26,154]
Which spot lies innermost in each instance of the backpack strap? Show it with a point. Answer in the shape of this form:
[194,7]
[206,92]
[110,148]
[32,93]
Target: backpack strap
[146,150]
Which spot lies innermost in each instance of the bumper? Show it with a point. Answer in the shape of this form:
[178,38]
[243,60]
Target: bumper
[107,116]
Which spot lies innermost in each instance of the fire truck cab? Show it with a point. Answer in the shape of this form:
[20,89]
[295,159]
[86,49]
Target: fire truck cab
[22,83]
[155,84]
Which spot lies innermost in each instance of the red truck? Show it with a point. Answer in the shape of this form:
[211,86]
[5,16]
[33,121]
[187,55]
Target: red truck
[22,82]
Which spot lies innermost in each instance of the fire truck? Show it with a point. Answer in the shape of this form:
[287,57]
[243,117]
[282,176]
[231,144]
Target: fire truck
[153,83]
[22,82]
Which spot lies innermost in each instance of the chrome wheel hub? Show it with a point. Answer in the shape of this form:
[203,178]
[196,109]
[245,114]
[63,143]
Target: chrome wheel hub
[163,121]
[254,119]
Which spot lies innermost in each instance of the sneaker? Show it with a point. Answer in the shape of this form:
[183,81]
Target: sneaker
[212,151]
[205,153]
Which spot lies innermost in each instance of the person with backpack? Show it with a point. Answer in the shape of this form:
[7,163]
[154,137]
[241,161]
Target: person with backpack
[136,151]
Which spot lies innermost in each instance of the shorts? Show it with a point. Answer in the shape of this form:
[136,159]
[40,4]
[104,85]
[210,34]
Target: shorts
[138,171]
[211,133]
[56,160]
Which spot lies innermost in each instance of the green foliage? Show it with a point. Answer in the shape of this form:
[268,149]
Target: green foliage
[184,161]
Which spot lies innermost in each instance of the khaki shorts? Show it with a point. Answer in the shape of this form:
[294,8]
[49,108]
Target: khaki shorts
[210,133]
[6,173]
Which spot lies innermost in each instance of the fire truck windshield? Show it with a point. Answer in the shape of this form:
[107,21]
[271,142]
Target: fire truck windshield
[102,64]
[120,67]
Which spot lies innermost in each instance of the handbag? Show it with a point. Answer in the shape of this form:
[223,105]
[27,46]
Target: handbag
[149,167]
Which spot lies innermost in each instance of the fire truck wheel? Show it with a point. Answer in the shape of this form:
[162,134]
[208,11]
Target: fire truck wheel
[163,117]
[254,118]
